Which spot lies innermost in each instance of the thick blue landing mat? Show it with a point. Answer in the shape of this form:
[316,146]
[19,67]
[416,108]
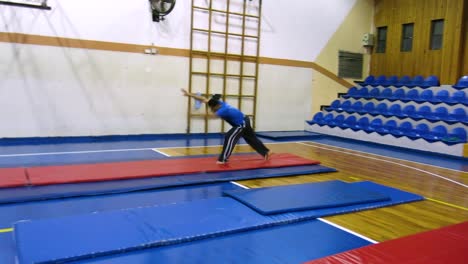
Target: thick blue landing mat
[298,243]
[298,197]
[87,236]
[288,134]
[11,213]
[26,194]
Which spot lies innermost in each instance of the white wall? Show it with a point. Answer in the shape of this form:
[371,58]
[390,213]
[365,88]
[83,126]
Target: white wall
[50,91]
[53,91]
[299,29]
[293,29]
[284,103]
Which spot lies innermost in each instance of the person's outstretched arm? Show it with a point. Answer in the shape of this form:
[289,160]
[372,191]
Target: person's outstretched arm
[197,97]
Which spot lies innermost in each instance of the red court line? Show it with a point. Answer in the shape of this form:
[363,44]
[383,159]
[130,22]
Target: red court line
[444,245]
[151,168]
[13,177]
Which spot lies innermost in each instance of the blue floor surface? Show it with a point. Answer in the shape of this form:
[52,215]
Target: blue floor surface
[11,155]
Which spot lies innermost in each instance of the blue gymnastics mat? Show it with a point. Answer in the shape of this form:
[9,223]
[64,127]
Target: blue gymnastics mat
[36,193]
[298,197]
[288,135]
[99,234]
[299,243]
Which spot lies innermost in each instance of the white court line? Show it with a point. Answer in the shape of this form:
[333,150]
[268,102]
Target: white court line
[325,221]
[347,230]
[370,153]
[109,150]
[240,185]
[389,161]
[160,152]
[72,152]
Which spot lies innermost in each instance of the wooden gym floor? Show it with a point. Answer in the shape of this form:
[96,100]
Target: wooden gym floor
[445,190]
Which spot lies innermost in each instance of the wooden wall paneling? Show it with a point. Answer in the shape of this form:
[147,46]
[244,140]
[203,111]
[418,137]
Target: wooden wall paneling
[447,63]
[450,60]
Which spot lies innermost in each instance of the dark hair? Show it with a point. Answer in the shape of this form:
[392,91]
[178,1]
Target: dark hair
[214,100]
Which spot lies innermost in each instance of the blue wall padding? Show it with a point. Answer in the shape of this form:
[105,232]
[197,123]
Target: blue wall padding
[298,197]
[299,243]
[86,236]
[35,193]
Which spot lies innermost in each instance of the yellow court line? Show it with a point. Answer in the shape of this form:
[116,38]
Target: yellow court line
[6,230]
[448,204]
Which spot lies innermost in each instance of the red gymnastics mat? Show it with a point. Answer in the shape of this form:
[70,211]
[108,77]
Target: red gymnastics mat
[47,175]
[13,177]
[444,245]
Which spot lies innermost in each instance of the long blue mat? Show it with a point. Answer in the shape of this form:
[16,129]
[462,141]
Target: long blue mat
[298,197]
[26,194]
[299,243]
[87,236]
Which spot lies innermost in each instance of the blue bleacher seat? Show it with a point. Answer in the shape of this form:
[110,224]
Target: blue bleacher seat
[349,122]
[374,93]
[368,107]
[345,106]
[362,123]
[390,81]
[374,124]
[386,94]
[368,81]
[379,80]
[352,92]
[457,115]
[416,81]
[457,135]
[426,96]
[386,127]
[418,131]
[328,118]
[398,95]
[403,129]
[395,110]
[423,112]
[430,82]
[462,83]
[356,107]
[380,109]
[412,95]
[458,97]
[317,119]
[334,105]
[437,133]
[363,93]
[408,111]
[441,96]
[404,81]
[441,113]
[337,121]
